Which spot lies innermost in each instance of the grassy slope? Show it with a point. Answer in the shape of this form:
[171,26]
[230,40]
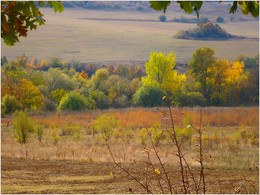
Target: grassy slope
[68,37]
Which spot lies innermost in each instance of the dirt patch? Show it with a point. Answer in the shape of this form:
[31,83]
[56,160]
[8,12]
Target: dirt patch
[67,176]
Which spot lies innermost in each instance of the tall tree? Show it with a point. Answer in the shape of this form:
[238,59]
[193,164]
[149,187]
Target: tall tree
[160,72]
[201,64]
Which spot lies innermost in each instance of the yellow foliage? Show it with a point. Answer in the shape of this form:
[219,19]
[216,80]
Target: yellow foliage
[30,96]
[159,70]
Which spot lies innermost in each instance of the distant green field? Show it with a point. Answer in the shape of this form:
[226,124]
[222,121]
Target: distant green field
[75,35]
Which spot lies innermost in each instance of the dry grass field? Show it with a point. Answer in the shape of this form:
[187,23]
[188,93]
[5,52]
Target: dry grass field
[83,165]
[100,37]
[22,176]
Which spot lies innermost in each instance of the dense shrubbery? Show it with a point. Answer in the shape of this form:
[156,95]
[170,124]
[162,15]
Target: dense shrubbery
[10,104]
[206,31]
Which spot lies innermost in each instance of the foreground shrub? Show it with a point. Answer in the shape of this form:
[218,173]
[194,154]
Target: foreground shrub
[73,101]
[10,104]
[105,125]
[39,131]
[73,131]
[22,126]
[54,134]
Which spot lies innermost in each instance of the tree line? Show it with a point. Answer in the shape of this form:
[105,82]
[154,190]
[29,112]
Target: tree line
[74,86]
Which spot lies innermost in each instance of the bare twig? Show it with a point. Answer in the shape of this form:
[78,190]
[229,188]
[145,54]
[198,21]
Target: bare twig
[192,176]
[146,178]
[153,169]
[175,140]
[238,189]
[126,171]
[163,168]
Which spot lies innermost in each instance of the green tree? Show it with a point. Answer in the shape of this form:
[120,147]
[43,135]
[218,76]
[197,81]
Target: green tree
[98,81]
[73,101]
[10,104]
[99,98]
[201,64]
[149,96]
[159,70]
[22,126]
[56,63]
[55,79]
[105,125]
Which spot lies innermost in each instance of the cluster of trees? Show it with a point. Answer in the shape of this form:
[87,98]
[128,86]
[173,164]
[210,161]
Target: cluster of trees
[207,31]
[58,85]
[52,85]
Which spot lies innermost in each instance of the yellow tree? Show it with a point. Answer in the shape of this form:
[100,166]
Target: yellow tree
[43,65]
[159,70]
[58,94]
[30,96]
[236,80]
[219,79]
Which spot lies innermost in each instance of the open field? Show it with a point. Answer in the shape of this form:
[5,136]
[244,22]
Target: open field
[66,176]
[100,37]
[83,165]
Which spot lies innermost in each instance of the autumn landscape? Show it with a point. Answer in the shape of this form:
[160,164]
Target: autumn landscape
[123,98]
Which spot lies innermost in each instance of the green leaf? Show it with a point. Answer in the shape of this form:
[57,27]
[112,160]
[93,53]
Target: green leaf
[233,8]
[186,5]
[159,5]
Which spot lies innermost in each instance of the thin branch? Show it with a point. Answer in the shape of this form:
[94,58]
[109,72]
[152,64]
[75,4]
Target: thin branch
[157,176]
[178,148]
[163,168]
[238,189]
[134,178]
[192,176]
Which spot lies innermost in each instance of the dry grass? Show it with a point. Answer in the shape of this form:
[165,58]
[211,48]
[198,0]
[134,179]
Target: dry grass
[225,152]
[223,122]
[145,117]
